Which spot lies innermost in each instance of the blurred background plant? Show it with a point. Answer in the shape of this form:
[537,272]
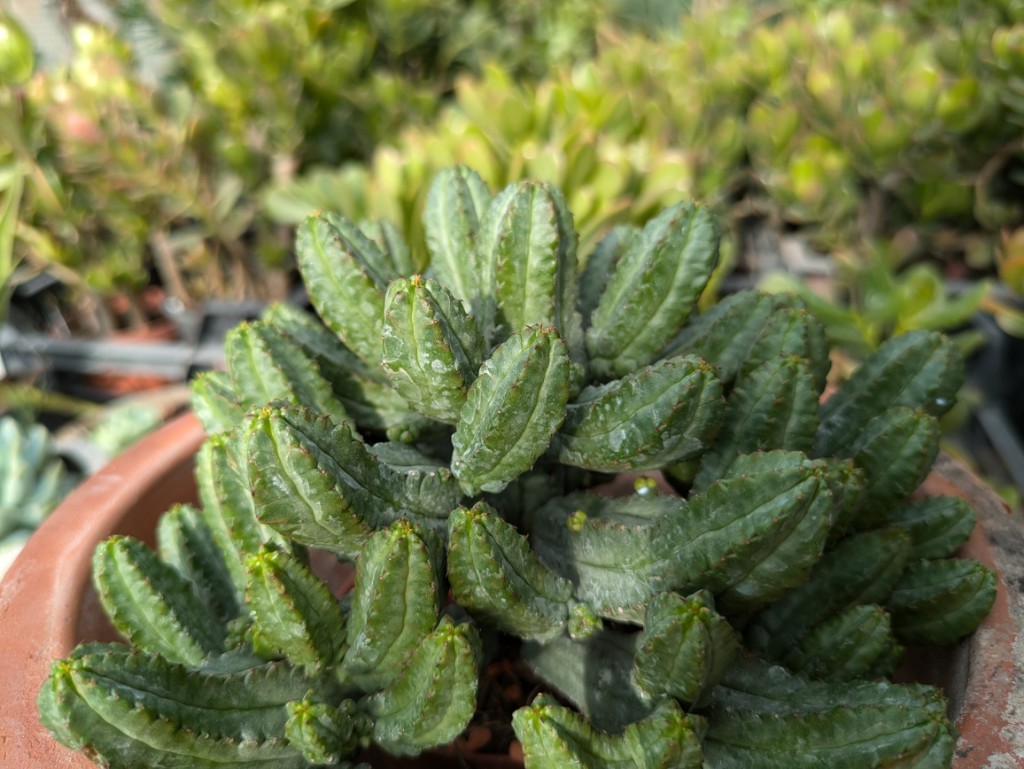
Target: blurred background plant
[17,62]
[860,126]
[857,127]
[145,151]
[40,466]
[32,481]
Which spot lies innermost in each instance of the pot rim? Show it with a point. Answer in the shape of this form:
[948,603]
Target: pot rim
[986,669]
[41,593]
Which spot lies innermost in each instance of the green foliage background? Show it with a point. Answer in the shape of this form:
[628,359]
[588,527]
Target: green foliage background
[885,135]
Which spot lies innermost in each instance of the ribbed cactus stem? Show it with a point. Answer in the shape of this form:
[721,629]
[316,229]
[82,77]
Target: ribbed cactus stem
[342,272]
[667,412]
[152,604]
[431,347]
[553,737]
[293,611]
[512,410]
[653,290]
[456,203]
[394,605]
[496,576]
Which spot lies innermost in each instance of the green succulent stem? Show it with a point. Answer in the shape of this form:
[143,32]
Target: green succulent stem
[444,432]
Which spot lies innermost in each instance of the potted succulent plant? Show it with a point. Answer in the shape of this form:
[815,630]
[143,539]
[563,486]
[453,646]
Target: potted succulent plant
[449,434]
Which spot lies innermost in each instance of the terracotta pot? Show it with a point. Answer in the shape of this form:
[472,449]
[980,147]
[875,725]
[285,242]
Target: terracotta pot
[47,606]
[983,674]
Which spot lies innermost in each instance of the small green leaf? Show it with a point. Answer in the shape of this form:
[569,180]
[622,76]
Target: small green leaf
[17,57]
